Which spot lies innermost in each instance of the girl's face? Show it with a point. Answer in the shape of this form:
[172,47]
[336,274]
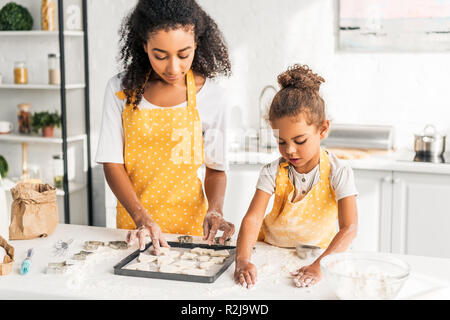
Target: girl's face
[299,142]
[171,53]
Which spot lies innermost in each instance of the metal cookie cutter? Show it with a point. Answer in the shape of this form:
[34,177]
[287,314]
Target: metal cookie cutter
[93,245]
[304,251]
[226,242]
[118,245]
[185,239]
[81,255]
[58,267]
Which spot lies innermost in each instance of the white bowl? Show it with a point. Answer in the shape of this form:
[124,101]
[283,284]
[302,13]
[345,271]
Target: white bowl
[364,276]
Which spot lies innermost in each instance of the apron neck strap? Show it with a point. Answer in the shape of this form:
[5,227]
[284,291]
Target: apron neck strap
[191,89]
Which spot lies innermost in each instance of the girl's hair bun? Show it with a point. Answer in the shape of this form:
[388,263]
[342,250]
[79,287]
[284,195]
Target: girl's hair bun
[300,77]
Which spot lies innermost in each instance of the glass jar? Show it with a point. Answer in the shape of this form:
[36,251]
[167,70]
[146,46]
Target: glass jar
[20,73]
[58,171]
[54,76]
[48,15]
[24,118]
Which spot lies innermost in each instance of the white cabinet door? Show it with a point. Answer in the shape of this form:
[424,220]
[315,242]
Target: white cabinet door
[421,214]
[374,210]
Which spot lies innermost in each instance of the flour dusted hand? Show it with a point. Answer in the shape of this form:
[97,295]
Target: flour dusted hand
[245,273]
[214,222]
[307,275]
[148,231]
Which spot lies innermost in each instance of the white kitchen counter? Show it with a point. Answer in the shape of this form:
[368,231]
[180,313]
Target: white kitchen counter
[385,162]
[96,280]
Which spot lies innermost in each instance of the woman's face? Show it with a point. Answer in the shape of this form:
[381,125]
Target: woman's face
[299,142]
[171,53]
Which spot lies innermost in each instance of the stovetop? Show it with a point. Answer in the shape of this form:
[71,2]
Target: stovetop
[413,157]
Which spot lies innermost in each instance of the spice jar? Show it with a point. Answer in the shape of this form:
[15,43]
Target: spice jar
[48,15]
[58,171]
[54,76]
[24,118]
[20,73]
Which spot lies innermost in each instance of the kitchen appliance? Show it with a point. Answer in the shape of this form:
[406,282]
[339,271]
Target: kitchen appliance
[420,157]
[366,137]
[429,143]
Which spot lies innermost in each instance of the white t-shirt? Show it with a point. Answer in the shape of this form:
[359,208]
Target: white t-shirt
[341,178]
[212,105]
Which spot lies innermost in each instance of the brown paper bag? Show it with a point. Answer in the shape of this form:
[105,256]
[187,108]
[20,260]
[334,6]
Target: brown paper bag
[8,261]
[34,211]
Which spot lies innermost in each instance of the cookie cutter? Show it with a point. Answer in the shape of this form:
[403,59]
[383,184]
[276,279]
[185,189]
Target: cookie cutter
[185,239]
[226,242]
[58,267]
[118,245]
[304,251]
[81,255]
[93,245]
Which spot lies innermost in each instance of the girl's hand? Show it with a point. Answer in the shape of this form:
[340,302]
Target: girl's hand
[147,231]
[245,273]
[307,275]
[214,222]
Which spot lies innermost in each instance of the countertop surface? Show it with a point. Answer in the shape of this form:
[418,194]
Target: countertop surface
[95,279]
[400,160]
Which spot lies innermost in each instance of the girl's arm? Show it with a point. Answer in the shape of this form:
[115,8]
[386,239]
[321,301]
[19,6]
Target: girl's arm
[348,226]
[248,235]
[215,185]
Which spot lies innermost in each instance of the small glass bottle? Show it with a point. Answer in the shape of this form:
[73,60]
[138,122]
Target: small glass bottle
[24,118]
[20,73]
[54,76]
[58,171]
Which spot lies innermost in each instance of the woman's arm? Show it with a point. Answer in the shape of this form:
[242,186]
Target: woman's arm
[348,227]
[215,185]
[121,186]
[245,271]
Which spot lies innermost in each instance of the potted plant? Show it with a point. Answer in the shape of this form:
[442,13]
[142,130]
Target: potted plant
[3,167]
[46,121]
[15,17]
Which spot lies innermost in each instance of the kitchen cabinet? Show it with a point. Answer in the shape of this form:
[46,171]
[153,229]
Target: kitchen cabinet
[421,214]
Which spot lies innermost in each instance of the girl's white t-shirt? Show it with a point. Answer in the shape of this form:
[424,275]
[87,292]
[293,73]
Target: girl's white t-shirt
[341,178]
[212,105]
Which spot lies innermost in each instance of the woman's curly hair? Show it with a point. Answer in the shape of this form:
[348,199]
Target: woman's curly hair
[299,94]
[211,56]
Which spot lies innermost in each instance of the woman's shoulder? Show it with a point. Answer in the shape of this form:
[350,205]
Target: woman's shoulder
[115,82]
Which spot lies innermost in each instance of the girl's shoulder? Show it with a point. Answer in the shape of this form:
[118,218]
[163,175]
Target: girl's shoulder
[337,164]
[272,167]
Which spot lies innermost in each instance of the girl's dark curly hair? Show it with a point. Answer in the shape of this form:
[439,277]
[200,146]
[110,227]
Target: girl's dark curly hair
[149,16]
[299,94]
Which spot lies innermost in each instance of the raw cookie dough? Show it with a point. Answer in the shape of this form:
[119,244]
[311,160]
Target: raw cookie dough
[139,266]
[163,251]
[207,264]
[202,251]
[185,264]
[164,260]
[194,272]
[188,256]
[174,254]
[169,269]
[218,260]
[220,253]
[146,258]
[203,258]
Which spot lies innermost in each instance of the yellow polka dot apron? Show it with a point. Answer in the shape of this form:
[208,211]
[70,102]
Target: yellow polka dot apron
[312,220]
[163,151]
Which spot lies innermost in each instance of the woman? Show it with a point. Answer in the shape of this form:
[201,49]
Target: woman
[163,118]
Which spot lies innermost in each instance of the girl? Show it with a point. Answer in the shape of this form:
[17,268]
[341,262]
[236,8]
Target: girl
[163,118]
[313,190]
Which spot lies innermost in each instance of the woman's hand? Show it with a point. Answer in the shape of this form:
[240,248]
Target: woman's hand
[149,230]
[307,275]
[214,222]
[245,273]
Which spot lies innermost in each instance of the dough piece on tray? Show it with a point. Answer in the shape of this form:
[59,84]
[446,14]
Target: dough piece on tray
[218,260]
[188,256]
[174,254]
[169,268]
[163,251]
[186,264]
[206,265]
[202,258]
[164,260]
[139,266]
[146,257]
[220,253]
[194,272]
[202,251]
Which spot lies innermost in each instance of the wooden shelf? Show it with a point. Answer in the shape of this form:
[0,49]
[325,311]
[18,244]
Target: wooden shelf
[39,33]
[27,138]
[41,86]
[73,186]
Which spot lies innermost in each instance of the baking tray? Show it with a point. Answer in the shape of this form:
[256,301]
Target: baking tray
[119,270]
